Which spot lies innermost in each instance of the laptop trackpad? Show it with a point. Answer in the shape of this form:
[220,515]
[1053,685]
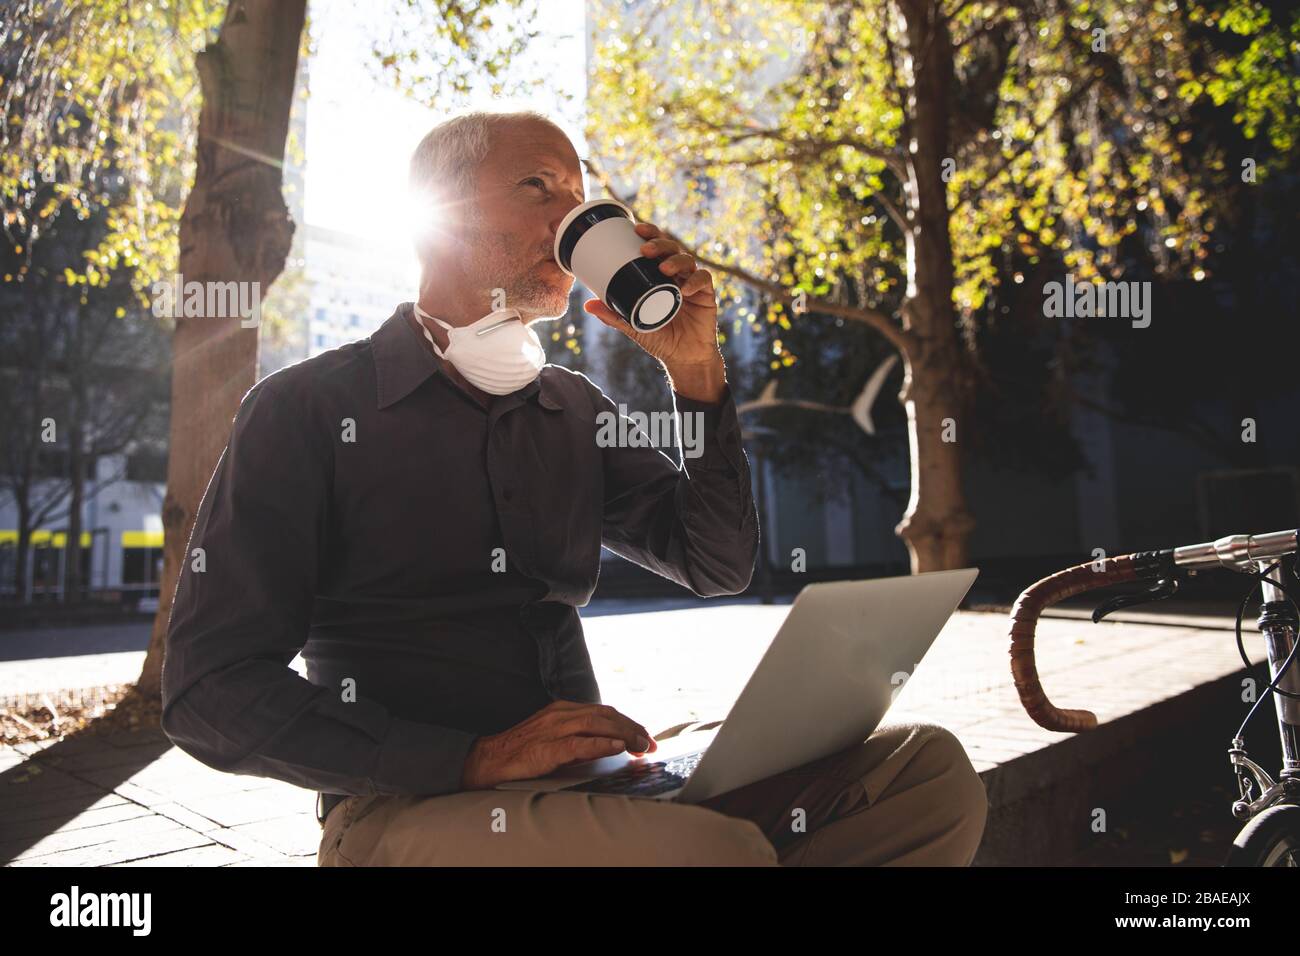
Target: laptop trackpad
[596,768]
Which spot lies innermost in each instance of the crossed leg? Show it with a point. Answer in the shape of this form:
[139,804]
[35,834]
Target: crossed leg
[908,795]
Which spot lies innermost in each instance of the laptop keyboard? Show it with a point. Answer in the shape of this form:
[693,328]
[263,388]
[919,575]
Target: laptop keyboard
[645,779]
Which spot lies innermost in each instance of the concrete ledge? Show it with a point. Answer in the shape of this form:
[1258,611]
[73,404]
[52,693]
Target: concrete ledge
[1042,806]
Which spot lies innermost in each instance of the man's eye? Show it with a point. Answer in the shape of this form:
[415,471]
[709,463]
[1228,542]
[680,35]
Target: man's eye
[534,179]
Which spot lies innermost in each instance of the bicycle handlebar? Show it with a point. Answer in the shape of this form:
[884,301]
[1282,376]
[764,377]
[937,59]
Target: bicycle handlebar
[1235,551]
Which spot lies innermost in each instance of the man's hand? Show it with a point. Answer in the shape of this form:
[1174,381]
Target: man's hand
[562,732]
[688,345]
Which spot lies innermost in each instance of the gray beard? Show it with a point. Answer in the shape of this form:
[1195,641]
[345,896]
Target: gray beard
[526,290]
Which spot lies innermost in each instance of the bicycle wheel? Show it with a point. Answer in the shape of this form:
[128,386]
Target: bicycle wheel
[1271,839]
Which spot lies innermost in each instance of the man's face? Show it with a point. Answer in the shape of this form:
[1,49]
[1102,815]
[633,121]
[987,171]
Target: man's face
[530,179]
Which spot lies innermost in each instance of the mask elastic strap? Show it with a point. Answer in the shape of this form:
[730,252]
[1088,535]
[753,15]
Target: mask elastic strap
[423,328]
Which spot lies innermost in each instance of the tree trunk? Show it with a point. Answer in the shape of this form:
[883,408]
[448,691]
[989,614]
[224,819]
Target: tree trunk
[77,479]
[236,227]
[22,551]
[76,460]
[936,525]
[935,390]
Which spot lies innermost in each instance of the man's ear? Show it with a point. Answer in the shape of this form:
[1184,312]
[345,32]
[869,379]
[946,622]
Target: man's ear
[437,249]
[434,224]
[425,249]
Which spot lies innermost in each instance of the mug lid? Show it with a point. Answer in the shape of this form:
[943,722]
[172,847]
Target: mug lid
[573,214]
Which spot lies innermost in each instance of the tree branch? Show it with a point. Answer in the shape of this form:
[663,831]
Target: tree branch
[901,219]
[1006,160]
[806,148]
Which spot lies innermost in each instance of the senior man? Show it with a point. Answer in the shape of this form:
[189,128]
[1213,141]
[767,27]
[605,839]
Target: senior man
[421,513]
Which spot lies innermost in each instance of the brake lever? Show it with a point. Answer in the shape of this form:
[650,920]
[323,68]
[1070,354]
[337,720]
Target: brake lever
[1165,587]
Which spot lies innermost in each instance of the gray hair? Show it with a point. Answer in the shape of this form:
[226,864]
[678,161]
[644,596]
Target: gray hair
[445,163]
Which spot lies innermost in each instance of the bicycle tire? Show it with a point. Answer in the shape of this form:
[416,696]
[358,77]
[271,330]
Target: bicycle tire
[1269,839]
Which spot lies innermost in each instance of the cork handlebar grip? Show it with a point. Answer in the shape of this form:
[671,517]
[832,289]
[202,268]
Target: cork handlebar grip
[1024,623]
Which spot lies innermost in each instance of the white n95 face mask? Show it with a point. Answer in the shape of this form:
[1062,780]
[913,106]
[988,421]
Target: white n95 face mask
[498,354]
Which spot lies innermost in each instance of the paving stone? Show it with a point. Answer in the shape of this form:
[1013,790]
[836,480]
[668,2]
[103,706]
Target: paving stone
[1028,738]
[104,756]
[122,850]
[282,861]
[67,807]
[250,846]
[291,835]
[175,782]
[70,839]
[31,769]
[237,809]
[85,817]
[158,778]
[78,744]
[988,750]
[212,854]
[184,816]
[32,782]
[140,795]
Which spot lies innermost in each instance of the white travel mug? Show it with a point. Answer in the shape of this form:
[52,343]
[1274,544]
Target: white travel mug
[597,243]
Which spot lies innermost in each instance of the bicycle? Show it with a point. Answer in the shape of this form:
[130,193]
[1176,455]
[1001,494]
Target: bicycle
[1269,808]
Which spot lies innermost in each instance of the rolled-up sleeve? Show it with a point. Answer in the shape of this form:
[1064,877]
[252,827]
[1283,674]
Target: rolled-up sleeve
[693,523]
[242,611]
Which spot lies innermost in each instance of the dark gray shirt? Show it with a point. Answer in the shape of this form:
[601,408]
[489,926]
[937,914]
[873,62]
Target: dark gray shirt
[427,556]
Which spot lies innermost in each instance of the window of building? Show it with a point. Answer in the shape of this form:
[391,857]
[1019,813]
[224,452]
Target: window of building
[141,566]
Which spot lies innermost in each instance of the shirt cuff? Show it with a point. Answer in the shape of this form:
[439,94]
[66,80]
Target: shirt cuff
[710,439]
[422,759]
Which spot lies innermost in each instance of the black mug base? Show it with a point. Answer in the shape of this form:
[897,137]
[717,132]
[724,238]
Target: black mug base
[643,296]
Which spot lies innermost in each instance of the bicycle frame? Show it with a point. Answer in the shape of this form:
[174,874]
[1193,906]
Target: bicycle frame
[1278,623]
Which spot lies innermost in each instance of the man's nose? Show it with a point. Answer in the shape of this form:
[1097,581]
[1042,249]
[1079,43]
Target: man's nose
[563,206]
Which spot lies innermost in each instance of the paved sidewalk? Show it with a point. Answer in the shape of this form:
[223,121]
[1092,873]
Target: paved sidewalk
[138,801]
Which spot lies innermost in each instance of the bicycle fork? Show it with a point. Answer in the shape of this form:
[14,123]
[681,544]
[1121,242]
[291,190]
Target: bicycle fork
[1278,623]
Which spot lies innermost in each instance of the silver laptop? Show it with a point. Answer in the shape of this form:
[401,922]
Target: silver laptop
[823,684]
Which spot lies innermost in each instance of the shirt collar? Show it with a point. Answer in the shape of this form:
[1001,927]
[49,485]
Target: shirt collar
[403,362]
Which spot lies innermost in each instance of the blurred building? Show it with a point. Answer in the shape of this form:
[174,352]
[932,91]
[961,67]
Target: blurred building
[353,285]
[122,543]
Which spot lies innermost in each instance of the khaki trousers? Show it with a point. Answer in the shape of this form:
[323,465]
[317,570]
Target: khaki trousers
[906,796]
